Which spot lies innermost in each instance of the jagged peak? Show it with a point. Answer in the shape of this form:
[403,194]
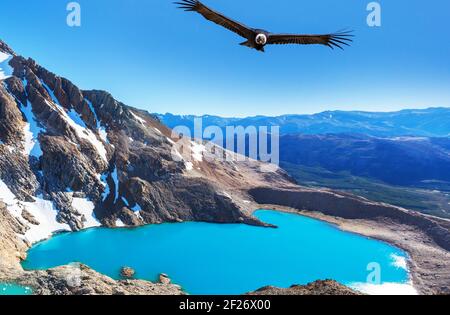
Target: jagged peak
[91,145]
[6,49]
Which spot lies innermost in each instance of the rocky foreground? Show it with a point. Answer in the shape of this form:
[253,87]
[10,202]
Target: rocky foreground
[73,159]
[325,287]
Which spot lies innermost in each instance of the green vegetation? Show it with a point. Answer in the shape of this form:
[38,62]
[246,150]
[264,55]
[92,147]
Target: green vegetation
[424,200]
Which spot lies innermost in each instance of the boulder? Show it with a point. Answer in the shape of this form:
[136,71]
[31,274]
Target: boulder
[164,279]
[127,272]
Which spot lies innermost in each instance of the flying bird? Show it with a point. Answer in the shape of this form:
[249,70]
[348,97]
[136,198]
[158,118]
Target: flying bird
[258,38]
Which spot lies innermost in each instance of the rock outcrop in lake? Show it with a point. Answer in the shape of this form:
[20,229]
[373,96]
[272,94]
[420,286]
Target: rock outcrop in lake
[127,272]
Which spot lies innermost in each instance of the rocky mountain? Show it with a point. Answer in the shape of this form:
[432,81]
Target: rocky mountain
[71,159]
[432,122]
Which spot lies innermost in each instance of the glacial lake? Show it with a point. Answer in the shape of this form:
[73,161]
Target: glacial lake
[206,258]
[13,289]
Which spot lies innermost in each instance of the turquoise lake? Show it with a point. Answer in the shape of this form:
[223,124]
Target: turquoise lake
[209,258]
[13,289]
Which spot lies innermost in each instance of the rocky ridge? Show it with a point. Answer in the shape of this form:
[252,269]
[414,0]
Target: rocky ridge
[84,149]
[73,159]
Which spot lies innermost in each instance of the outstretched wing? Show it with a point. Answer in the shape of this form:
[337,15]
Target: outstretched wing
[331,40]
[213,16]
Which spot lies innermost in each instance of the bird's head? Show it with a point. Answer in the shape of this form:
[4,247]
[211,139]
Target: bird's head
[261,39]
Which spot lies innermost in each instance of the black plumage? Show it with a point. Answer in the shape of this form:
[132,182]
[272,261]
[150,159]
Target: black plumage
[258,38]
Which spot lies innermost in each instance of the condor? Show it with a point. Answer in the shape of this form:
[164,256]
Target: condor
[258,38]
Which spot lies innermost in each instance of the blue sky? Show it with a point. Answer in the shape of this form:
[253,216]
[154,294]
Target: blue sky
[150,55]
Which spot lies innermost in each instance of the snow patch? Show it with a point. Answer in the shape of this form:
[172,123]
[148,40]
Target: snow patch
[103,134]
[6,70]
[176,155]
[30,143]
[101,129]
[50,92]
[45,212]
[139,119]
[76,118]
[196,154]
[91,107]
[387,288]
[189,166]
[87,134]
[86,208]
[227,195]
[399,261]
[8,147]
[42,210]
[31,130]
[76,122]
[138,215]
[158,131]
[119,223]
[197,151]
[170,141]
[6,195]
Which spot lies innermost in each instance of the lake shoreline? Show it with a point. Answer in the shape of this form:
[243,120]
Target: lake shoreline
[420,264]
[343,227]
[257,247]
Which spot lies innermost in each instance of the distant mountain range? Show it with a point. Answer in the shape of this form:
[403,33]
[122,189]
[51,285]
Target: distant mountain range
[397,161]
[401,158]
[396,148]
[431,122]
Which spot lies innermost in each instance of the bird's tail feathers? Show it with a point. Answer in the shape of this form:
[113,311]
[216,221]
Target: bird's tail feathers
[246,43]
